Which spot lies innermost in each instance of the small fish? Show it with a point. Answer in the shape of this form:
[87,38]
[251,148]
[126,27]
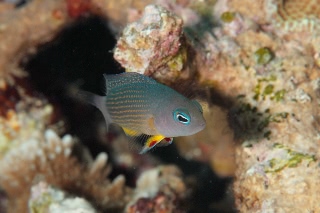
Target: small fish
[141,105]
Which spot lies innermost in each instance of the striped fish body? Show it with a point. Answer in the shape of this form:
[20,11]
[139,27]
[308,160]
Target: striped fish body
[132,101]
[140,105]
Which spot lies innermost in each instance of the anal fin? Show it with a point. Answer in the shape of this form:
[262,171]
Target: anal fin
[165,142]
[155,140]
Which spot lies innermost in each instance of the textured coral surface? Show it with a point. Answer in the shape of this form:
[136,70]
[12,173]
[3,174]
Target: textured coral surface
[261,60]
[255,66]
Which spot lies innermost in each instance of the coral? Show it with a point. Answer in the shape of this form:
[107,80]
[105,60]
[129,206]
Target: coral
[34,145]
[119,13]
[49,158]
[295,15]
[263,55]
[6,6]
[45,198]
[77,7]
[274,110]
[153,43]
[181,9]
[254,11]
[297,9]
[262,58]
[285,18]
[158,190]
[22,119]
[15,31]
[215,144]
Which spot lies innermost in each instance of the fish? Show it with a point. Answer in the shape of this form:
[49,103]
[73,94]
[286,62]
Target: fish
[142,106]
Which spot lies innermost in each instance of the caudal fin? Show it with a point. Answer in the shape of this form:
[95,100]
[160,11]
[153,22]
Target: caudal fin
[97,101]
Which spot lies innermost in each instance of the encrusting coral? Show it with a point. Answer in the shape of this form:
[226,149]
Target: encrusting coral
[275,115]
[158,190]
[266,62]
[152,43]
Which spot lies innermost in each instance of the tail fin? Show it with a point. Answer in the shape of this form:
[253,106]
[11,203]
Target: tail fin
[97,101]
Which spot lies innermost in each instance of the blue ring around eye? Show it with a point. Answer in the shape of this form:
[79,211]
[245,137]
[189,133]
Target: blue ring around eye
[182,116]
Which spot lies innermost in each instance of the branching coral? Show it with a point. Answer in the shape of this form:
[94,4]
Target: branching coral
[45,198]
[48,158]
[30,152]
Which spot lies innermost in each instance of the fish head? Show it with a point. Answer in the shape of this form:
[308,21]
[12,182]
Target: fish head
[180,118]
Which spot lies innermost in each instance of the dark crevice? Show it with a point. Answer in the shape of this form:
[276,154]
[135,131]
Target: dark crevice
[77,57]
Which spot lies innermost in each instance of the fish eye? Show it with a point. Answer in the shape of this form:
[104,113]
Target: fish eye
[181,116]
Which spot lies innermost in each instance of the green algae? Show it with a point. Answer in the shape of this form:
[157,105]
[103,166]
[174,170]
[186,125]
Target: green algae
[249,122]
[263,56]
[293,159]
[266,89]
[203,8]
[227,17]
[177,62]
[42,204]
[279,95]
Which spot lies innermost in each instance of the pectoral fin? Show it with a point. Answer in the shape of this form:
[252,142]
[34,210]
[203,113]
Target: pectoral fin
[130,132]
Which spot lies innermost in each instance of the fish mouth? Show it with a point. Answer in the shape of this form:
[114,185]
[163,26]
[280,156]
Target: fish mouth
[197,129]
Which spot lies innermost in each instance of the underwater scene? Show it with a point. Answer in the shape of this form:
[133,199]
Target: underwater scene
[159,106]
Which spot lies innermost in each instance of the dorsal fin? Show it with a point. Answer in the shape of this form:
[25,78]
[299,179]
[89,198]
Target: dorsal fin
[117,80]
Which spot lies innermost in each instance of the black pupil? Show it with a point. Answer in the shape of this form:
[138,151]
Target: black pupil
[182,119]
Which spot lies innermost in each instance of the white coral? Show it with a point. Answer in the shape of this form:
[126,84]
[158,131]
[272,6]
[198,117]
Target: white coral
[53,200]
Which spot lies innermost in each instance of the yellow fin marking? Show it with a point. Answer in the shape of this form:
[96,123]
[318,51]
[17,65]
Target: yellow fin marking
[131,132]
